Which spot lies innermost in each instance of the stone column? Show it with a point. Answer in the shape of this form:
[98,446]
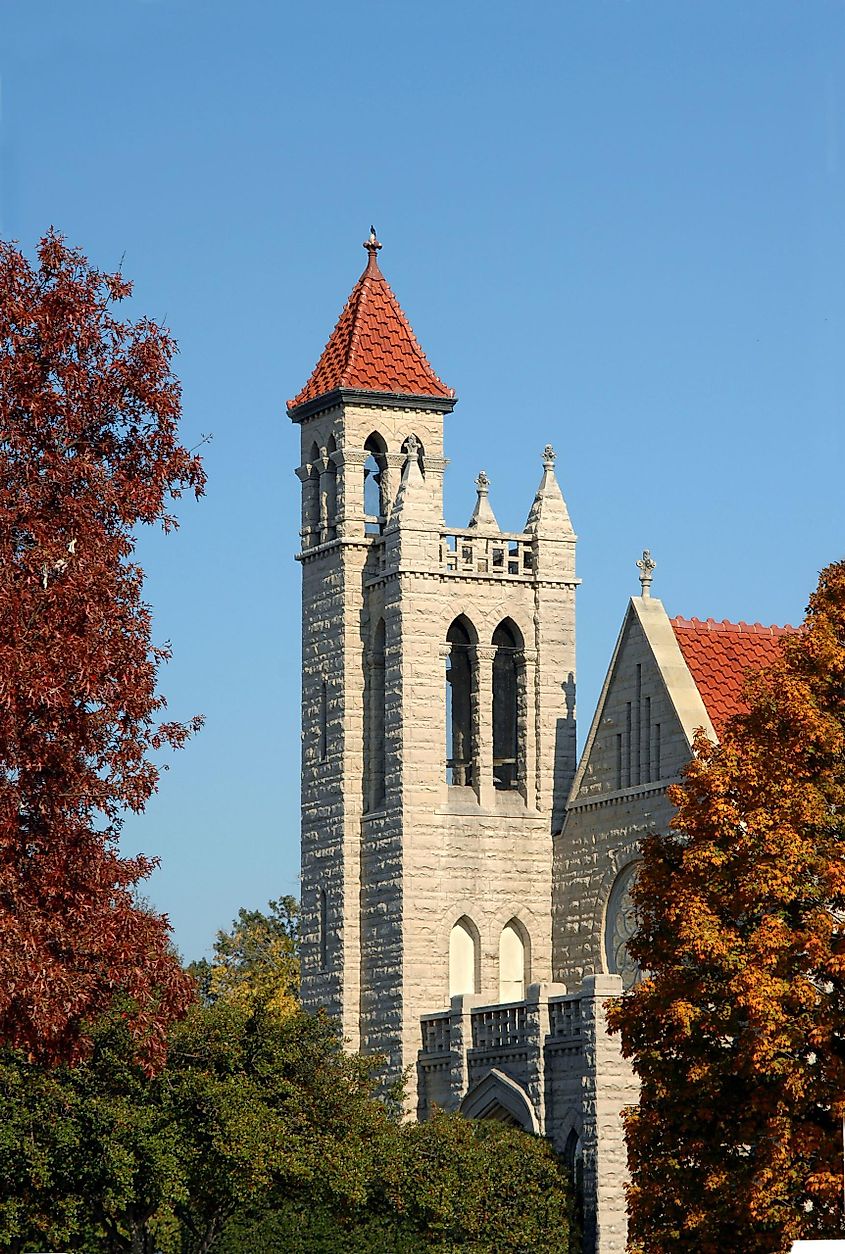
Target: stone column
[526,661]
[482,718]
[460,1040]
[537,1029]
[443,654]
[327,495]
[609,1086]
[307,476]
[350,491]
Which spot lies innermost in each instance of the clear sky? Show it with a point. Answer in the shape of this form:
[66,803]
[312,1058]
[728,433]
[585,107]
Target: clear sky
[616,226]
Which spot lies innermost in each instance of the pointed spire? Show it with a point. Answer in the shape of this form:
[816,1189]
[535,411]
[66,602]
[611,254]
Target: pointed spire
[482,516]
[412,498]
[372,348]
[548,516]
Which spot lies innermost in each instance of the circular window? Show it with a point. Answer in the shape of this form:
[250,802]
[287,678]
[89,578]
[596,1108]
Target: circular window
[620,925]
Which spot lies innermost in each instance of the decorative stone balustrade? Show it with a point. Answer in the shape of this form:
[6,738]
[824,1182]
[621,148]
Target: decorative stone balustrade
[500,1027]
[435,1033]
[507,555]
[565,1018]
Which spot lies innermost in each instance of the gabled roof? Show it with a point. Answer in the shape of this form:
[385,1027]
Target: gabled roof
[372,348]
[719,655]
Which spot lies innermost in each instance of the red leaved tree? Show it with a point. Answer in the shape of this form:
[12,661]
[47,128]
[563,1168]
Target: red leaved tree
[738,1031]
[88,449]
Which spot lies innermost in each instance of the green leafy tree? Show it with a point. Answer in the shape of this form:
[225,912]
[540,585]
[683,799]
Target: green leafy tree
[738,1031]
[257,961]
[252,1107]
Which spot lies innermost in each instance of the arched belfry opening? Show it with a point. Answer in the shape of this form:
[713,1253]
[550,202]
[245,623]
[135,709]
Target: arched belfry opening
[507,749]
[464,958]
[461,686]
[376,504]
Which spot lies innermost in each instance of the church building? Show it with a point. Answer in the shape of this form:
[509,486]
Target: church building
[465,881]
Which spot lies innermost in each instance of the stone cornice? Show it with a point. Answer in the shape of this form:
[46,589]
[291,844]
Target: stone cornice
[619,796]
[376,400]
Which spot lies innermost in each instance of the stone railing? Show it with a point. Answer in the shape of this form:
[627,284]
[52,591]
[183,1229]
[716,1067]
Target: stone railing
[506,555]
[565,1018]
[435,1032]
[499,1027]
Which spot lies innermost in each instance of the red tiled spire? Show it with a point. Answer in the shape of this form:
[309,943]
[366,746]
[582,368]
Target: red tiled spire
[720,654]
[372,348]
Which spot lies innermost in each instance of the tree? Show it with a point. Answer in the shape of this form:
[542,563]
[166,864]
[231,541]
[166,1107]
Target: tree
[257,962]
[738,1031]
[253,1110]
[89,409]
[452,1184]
[261,1133]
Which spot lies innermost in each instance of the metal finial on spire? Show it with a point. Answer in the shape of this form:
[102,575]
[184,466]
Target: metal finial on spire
[549,457]
[646,566]
[482,482]
[372,245]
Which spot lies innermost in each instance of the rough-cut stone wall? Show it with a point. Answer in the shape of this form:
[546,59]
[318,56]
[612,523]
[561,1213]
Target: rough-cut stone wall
[549,1065]
[398,874]
[605,823]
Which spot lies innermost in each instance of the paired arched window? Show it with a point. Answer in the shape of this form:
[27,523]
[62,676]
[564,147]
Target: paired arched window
[512,962]
[463,958]
[506,738]
[460,694]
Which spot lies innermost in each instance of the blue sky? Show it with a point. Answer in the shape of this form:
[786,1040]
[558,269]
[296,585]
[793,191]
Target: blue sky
[614,225]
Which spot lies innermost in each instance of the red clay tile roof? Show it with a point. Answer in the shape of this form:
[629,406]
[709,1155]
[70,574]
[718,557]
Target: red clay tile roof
[719,656]
[372,348]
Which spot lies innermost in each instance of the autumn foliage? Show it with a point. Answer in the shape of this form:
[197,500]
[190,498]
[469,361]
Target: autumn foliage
[738,1032]
[88,449]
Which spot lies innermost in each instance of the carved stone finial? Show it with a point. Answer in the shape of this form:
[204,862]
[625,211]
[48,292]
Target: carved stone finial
[482,483]
[411,448]
[549,457]
[646,566]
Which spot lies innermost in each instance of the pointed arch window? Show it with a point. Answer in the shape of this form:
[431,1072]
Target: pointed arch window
[375,476]
[512,962]
[461,686]
[507,754]
[463,958]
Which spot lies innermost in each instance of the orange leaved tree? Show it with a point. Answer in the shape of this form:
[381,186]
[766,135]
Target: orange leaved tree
[88,449]
[738,1031]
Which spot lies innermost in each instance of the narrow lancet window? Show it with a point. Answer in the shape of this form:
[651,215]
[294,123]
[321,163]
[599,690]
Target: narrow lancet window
[460,690]
[463,959]
[506,707]
[511,963]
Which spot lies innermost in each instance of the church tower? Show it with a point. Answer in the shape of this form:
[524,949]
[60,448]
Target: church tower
[438,698]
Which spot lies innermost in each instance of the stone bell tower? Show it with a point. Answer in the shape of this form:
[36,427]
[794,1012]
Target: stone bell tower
[438,698]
